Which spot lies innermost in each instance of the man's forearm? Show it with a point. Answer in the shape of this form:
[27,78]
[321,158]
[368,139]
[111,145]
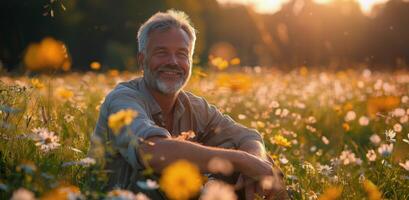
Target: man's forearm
[254,147]
[166,151]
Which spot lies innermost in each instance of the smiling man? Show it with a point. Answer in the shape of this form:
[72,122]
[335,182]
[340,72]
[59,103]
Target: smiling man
[166,45]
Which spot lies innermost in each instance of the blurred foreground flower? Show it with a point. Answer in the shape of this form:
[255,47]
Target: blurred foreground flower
[331,193]
[181,180]
[219,165]
[372,190]
[48,54]
[215,190]
[45,139]
[66,192]
[120,119]
[22,194]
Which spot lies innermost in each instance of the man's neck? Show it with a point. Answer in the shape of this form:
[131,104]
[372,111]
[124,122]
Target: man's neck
[166,101]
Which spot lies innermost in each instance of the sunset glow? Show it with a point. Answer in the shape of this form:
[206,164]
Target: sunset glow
[272,6]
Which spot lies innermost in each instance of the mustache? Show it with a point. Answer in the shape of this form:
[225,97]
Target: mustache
[172,68]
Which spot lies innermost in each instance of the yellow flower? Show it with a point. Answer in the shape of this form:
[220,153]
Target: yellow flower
[37,83]
[372,190]
[331,193]
[64,93]
[181,180]
[280,141]
[235,82]
[235,61]
[63,193]
[95,65]
[219,62]
[346,126]
[48,54]
[122,118]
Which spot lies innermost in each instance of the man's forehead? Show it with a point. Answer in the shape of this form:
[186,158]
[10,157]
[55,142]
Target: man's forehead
[170,37]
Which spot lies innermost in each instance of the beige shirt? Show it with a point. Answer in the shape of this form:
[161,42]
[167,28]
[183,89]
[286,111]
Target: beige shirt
[191,113]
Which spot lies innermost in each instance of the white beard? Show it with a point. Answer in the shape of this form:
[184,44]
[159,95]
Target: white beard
[155,82]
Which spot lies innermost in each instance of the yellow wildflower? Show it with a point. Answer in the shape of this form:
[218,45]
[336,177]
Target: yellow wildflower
[181,180]
[37,83]
[95,65]
[280,141]
[372,190]
[122,118]
[331,193]
[64,93]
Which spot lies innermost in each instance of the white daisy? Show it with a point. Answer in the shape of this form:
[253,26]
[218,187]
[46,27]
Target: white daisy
[45,139]
[390,135]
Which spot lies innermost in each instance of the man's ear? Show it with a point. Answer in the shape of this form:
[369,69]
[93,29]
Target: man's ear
[139,58]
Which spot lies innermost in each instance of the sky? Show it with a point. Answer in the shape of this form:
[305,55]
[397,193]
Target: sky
[272,6]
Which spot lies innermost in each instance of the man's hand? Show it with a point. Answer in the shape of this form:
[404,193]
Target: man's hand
[269,184]
[268,187]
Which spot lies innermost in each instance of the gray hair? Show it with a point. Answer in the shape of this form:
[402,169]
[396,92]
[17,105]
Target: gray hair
[163,21]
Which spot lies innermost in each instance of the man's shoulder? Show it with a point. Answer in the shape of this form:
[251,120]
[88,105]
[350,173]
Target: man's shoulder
[197,102]
[194,98]
[126,89]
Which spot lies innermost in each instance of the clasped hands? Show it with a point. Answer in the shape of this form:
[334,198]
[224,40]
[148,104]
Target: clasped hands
[263,180]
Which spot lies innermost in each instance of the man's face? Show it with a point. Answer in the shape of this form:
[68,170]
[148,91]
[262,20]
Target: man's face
[167,64]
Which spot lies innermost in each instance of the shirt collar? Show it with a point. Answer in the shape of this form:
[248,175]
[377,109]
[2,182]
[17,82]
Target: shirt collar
[155,108]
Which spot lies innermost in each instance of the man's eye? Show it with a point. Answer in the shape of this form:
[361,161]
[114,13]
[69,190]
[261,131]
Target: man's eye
[161,53]
[183,54]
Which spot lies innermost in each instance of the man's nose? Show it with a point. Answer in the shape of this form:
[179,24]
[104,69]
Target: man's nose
[173,60]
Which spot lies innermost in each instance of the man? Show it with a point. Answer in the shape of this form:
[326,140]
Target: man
[166,44]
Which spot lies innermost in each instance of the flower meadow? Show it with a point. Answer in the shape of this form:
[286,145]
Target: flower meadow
[334,134]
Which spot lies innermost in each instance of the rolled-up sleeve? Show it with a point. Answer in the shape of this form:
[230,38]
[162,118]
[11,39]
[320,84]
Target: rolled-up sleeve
[221,130]
[142,127]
